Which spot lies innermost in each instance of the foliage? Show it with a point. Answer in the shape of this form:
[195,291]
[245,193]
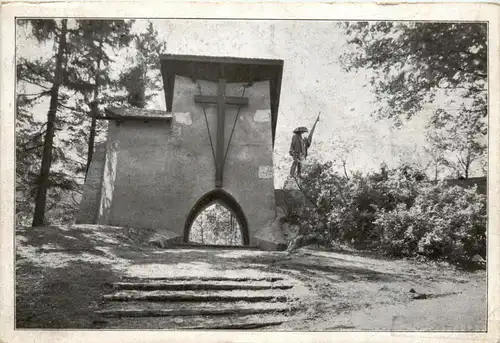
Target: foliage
[447,222]
[47,152]
[457,140]
[344,150]
[62,183]
[142,80]
[396,211]
[29,143]
[412,61]
[97,40]
[135,83]
[47,77]
[95,44]
[411,64]
[435,153]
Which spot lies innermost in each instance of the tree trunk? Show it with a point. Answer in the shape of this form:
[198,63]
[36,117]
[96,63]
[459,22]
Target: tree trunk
[43,179]
[467,164]
[94,109]
[90,148]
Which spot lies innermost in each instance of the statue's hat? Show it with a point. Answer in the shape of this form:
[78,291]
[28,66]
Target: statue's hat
[300,129]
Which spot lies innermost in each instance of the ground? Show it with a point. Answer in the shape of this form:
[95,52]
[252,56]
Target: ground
[63,273]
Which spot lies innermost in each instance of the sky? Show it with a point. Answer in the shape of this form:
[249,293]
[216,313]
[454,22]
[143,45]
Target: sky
[313,82]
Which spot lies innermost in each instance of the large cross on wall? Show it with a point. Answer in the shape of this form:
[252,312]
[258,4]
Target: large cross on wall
[222,101]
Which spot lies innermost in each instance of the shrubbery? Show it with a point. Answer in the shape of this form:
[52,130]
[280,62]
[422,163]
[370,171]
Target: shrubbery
[394,211]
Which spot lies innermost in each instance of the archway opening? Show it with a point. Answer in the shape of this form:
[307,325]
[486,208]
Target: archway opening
[216,225]
[216,219]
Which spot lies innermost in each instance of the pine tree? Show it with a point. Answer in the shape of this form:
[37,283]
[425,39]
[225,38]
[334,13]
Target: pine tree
[98,40]
[142,80]
[55,81]
[48,75]
[29,144]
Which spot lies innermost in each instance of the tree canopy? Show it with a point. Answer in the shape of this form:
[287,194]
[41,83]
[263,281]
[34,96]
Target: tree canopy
[410,65]
[142,79]
[410,62]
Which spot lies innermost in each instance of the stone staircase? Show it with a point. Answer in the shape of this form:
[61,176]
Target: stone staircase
[192,302]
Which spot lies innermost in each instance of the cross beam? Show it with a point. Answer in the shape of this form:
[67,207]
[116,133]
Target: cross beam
[212,99]
[221,100]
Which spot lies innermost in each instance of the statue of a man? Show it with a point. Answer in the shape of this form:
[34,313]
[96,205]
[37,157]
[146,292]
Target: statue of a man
[299,146]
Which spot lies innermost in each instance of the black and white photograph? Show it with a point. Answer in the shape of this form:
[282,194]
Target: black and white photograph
[251,174]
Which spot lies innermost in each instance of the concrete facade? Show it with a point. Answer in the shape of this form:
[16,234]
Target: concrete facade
[157,174]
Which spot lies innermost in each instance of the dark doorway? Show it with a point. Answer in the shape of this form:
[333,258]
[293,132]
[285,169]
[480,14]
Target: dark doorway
[216,219]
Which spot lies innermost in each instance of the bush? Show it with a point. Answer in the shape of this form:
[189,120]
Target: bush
[395,211]
[445,222]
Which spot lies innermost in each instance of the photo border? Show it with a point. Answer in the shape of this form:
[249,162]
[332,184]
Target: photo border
[232,11]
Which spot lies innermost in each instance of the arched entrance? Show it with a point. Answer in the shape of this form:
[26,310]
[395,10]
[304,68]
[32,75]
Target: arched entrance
[226,200]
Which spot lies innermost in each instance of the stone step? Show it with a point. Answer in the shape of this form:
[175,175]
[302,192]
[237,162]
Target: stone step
[236,326]
[192,312]
[193,296]
[180,286]
[178,306]
[195,322]
[205,278]
[212,246]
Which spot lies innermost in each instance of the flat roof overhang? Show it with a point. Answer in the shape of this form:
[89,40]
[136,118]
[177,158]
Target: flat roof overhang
[132,113]
[232,69]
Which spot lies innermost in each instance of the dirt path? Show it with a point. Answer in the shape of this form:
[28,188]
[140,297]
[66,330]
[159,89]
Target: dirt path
[463,311]
[361,293]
